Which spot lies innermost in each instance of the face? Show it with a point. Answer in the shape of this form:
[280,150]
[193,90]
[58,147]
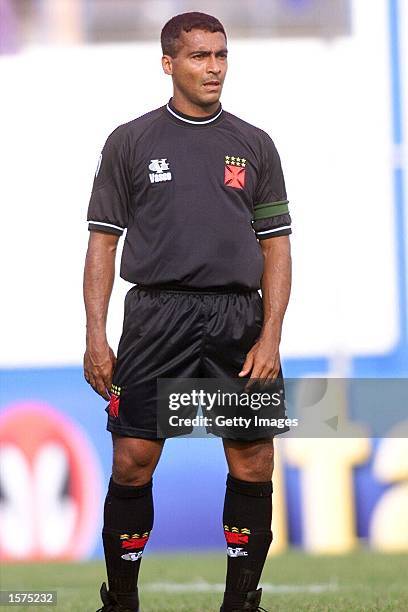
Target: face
[199,69]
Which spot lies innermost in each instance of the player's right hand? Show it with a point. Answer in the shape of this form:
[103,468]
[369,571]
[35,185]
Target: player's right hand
[99,363]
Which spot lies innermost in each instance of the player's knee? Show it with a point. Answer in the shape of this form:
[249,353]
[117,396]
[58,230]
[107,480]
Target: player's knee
[257,467]
[132,469]
[253,474]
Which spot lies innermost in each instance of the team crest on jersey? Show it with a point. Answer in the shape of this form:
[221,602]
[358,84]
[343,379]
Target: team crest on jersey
[234,174]
[159,170]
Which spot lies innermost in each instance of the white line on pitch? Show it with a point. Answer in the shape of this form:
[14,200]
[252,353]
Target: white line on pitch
[201,586]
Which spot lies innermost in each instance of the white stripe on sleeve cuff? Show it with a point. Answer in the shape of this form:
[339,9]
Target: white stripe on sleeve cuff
[107,224]
[271,231]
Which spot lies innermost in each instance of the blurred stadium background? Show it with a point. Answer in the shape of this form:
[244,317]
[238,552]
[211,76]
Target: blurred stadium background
[328,81]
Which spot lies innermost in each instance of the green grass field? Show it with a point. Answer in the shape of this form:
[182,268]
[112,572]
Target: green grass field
[194,583]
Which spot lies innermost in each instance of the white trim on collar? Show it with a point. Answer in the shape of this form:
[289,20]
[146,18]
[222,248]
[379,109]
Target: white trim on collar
[190,120]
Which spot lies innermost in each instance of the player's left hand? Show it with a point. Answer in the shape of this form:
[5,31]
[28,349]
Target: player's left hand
[263,360]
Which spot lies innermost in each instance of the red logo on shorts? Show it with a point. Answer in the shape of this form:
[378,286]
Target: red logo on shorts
[234,175]
[114,401]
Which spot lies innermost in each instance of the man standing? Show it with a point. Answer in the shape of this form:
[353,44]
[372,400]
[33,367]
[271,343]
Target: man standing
[203,198]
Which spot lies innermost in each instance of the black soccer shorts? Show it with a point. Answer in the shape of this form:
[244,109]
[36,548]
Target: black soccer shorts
[176,333]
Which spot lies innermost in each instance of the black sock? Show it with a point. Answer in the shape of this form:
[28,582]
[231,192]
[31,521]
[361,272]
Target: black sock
[128,520]
[247,528]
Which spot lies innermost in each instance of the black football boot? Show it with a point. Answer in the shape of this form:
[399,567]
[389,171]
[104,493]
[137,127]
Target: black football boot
[250,603]
[111,604]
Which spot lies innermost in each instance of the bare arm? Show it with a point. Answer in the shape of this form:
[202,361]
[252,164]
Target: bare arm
[276,284]
[99,274]
[264,359]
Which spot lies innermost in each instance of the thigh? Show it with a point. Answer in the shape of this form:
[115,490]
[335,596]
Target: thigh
[161,338]
[234,326]
[134,459]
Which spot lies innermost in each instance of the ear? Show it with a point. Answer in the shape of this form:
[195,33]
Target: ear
[167,64]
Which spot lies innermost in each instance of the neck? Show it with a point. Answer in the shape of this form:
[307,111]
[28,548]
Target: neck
[193,110]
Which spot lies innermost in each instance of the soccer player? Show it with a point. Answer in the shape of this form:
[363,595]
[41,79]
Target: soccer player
[202,195]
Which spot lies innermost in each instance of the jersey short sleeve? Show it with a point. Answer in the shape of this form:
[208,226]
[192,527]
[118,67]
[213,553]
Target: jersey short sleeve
[108,209]
[271,214]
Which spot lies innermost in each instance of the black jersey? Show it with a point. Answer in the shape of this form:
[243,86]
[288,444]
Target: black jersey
[196,196]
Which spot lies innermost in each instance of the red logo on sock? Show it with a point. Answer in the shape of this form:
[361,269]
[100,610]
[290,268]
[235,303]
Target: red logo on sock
[235,538]
[135,541]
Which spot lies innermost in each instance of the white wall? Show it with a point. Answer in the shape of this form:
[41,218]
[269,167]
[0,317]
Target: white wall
[326,105]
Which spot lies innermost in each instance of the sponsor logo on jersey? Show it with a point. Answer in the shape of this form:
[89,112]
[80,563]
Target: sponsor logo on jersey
[132,556]
[236,552]
[114,401]
[235,535]
[160,170]
[234,174]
